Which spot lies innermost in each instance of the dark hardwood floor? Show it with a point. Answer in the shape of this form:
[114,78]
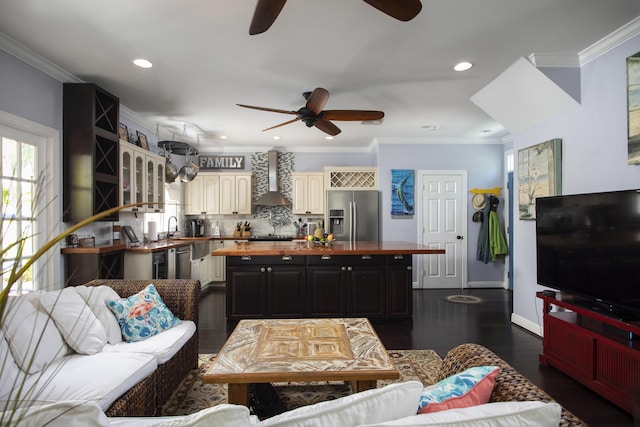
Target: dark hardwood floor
[441,325]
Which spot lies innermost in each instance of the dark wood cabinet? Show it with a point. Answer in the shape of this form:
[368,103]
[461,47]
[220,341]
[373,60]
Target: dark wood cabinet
[366,286]
[286,291]
[374,286]
[327,291]
[266,286]
[246,292]
[399,286]
[598,351]
[90,151]
[84,267]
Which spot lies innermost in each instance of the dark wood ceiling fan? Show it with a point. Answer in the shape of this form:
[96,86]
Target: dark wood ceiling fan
[312,114]
[268,10]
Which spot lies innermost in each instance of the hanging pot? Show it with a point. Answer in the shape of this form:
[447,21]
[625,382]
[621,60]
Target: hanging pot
[170,172]
[189,171]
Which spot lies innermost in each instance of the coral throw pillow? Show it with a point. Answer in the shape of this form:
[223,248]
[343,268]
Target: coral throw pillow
[142,315]
[469,388]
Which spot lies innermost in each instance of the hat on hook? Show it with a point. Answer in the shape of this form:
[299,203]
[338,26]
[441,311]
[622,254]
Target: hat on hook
[478,201]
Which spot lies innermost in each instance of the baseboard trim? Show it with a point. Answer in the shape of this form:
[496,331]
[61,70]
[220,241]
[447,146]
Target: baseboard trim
[485,284]
[526,324]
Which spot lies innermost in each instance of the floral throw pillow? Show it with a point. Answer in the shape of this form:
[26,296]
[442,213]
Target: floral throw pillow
[471,387]
[142,315]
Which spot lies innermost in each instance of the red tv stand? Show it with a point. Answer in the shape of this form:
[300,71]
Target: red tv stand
[596,350]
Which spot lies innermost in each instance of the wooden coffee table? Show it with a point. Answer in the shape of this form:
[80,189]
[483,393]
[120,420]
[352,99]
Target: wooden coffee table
[274,350]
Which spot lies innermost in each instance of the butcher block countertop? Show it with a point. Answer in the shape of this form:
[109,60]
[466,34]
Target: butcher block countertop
[335,248]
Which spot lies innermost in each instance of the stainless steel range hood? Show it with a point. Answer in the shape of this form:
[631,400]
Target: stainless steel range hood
[273,196]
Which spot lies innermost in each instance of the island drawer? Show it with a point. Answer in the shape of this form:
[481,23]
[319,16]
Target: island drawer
[266,260]
[346,260]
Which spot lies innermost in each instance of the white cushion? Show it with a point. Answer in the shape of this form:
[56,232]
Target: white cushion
[496,414]
[162,346]
[79,326]
[11,375]
[27,327]
[96,298]
[372,406]
[62,414]
[101,377]
[223,415]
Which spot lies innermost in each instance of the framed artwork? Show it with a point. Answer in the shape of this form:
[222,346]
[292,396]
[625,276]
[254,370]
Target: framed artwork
[402,192]
[633,108]
[142,140]
[123,132]
[539,175]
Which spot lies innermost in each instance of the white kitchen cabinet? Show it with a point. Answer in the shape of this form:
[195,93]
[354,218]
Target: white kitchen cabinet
[202,194]
[235,193]
[141,178]
[154,182]
[201,269]
[308,193]
[217,263]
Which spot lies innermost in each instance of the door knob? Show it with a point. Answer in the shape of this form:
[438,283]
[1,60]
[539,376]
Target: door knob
[459,237]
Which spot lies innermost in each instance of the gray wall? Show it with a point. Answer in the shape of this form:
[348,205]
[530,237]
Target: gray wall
[594,146]
[484,166]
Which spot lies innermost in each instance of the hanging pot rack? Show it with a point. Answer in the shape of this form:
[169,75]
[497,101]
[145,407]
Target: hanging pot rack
[178,147]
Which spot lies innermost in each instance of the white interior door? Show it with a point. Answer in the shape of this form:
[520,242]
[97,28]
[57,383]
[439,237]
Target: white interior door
[442,225]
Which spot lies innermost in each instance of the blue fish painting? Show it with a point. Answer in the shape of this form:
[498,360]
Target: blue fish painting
[402,192]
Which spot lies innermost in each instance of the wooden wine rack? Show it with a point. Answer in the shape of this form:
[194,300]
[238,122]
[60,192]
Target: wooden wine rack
[91,158]
[351,178]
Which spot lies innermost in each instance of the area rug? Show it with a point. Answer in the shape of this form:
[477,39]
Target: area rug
[464,299]
[192,395]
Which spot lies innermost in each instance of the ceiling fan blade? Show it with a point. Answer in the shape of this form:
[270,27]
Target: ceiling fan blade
[352,115]
[273,110]
[327,127]
[281,124]
[265,14]
[317,100]
[404,10]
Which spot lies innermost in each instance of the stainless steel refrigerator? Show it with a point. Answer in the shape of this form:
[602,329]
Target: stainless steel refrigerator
[353,215]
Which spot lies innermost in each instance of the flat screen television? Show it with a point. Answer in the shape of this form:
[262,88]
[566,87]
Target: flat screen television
[588,245]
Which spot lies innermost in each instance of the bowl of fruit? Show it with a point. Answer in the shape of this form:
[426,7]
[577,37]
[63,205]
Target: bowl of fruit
[320,239]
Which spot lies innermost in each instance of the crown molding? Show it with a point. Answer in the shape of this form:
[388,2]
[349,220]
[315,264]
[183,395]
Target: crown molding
[437,140]
[23,53]
[610,41]
[599,48]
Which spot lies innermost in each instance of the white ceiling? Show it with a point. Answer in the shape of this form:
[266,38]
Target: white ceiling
[205,61]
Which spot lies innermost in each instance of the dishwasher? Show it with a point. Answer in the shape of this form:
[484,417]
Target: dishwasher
[183,262]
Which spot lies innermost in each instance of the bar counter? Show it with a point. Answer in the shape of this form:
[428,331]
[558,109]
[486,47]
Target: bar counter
[301,247]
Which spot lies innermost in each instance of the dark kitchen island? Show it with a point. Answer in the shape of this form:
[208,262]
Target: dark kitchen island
[302,279]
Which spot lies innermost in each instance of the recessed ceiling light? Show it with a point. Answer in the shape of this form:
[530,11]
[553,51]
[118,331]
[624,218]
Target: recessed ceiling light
[463,66]
[142,63]
[276,137]
[328,137]
[223,136]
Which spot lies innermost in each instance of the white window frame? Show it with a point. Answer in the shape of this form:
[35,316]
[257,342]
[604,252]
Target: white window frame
[47,270]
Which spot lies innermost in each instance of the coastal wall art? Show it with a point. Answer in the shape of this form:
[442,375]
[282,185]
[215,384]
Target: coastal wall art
[539,174]
[402,192]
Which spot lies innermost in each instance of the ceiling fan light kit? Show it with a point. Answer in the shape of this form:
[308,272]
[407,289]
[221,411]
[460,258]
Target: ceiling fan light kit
[313,115]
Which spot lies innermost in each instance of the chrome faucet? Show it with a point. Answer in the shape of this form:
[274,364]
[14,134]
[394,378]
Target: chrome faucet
[169,233]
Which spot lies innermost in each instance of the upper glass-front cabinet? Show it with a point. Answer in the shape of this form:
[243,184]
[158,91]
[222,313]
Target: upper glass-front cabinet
[141,178]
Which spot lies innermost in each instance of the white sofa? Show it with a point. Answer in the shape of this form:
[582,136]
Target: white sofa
[393,405]
[67,346]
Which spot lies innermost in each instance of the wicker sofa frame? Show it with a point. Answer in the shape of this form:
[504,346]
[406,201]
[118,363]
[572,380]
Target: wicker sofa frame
[510,384]
[148,396]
